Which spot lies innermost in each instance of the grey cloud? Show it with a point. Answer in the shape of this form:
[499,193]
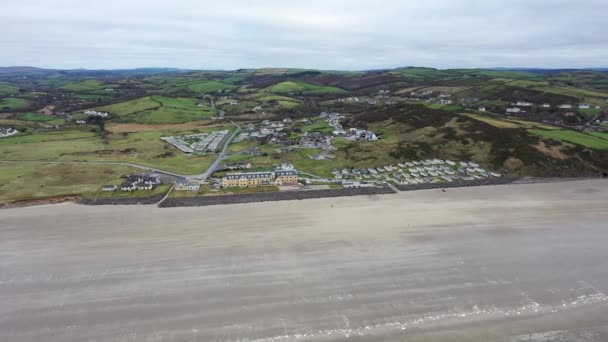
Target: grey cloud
[313,34]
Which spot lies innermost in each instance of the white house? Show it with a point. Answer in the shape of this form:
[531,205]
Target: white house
[96,113]
[7,132]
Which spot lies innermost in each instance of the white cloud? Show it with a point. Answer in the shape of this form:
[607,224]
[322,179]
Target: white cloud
[317,34]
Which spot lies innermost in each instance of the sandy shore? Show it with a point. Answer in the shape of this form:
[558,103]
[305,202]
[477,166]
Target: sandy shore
[487,264]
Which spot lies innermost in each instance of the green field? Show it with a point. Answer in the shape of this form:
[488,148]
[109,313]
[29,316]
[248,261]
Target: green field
[8,89]
[603,135]
[424,73]
[498,73]
[510,123]
[87,86]
[578,138]
[158,110]
[232,80]
[27,181]
[130,107]
[37,117]
[210,87]
[13,103]
[283,101]
[144,148]
[301,87]
[546,86]
[265,100]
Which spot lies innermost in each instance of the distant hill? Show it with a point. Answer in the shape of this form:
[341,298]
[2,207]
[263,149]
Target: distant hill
[39,71]
[22,70]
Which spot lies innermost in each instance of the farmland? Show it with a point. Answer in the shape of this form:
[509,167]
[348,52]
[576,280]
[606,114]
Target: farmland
[210,87]
[158,110]
[416,113]
[303,88]
[144,148]
[30,181]
[86,86]
[7,89]
[13,103]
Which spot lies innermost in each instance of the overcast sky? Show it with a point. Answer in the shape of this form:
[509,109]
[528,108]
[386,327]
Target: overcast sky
[326,34]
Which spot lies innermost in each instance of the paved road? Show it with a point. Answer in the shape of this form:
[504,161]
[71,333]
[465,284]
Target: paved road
[478,264]
[220,157]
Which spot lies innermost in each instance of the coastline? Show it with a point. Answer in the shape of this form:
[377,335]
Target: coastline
[228,199]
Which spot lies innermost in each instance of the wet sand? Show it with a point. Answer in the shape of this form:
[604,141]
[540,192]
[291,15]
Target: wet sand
[498,263]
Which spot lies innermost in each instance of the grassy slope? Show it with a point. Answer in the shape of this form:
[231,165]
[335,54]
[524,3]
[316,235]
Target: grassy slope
[264,99]
[304,88]
[130,107]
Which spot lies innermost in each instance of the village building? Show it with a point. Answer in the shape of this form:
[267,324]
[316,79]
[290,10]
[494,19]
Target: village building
[514,110]
[314,140]
[248,179]
[565,106]
[201,142]
[284,175]
[583,106]
[254,152]
[140,182]
[96,113]
[360,134]
[7,132]
[47,110]
[109,188]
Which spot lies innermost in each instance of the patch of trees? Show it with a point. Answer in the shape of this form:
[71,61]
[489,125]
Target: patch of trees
[414,115]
